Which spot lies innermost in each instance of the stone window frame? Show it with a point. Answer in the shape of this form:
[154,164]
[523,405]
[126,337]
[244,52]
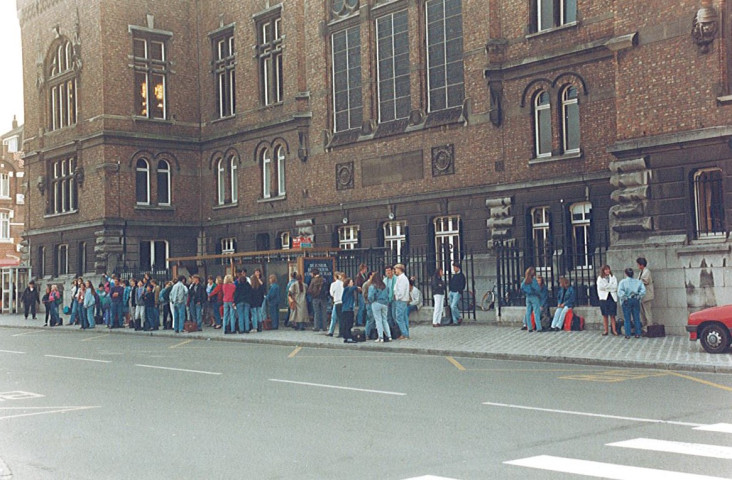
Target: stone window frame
[4,185]
[563,13]
[146,66]
[541,113]
[718,215]
[5,226]
[152,246]
[224,71]
[61,259]
[272,161]
[63,195]
[62,85]
[228,247]
[349,237]
[353,111]
[570,107]
[431,107]
[582,260]
[393,79]
[270,40]
[163,177]
[285,240]
[226,173]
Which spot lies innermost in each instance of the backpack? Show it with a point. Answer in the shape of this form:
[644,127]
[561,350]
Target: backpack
[578,323]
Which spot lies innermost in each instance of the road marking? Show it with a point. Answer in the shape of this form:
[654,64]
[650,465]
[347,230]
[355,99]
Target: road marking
[46,412]
[27,333]
[429,477]
[19,395]
[613,376]
[705,382]
[95,337]
[717,427]
[603,470]
[77,358]
[456,363]
[184,342]
[11,351]
[598,415]
[178,369]
[294,352]
[683,448]
[321,385]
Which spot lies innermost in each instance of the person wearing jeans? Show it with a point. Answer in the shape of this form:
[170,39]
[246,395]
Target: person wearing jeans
[229,288]
[178,297]
[438,295]
[456,286]
[530,287]
[401,301]
[242,300]
[631,292]
[565,301]
[379,302]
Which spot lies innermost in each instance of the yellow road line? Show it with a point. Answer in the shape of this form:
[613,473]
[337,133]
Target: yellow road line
[705,382]
[456,363]
[95,337]
[184,342]
[294,352]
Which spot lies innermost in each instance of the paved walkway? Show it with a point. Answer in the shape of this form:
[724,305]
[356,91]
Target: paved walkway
[480,339]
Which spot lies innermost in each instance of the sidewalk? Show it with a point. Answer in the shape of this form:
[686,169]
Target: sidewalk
[477,339]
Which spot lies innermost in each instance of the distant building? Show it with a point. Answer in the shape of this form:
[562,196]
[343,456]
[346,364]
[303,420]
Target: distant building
[12,196]
[577,132]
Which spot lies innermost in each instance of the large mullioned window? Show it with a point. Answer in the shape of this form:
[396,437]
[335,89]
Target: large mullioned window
[151,71]
[62,85]
[393,66]
[270,60]
[444,54]
[225,74]
[63,186]
[347,101]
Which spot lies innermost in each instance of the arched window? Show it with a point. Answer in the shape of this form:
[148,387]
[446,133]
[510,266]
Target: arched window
[570,121]
[62,85]
[280,155]
[227,180]
[221,181]
[266,174]
[581,217]
[542,125]
[142,182]
[234,179]
[163,176]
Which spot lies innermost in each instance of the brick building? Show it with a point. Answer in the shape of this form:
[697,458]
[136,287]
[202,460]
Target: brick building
[12,196]
[164,129]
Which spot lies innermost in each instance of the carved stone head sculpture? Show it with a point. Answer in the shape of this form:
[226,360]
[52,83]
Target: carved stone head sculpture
[705,26]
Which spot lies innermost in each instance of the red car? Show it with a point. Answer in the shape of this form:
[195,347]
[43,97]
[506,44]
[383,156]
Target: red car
[712,327]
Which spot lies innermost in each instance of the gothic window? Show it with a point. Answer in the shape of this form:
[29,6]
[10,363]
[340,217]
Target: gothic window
[62,84]
[570,121]
[151,72]
[393,66]
[273,172]
[227,180]
[270,60]
[63,186]
[542,125]
[163,177]
[343,8]
[445,82]
[346,59]
[142,182]
[225,75]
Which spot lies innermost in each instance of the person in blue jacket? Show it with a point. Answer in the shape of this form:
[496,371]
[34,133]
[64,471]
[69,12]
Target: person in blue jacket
[631,292]
[531,289]
[565,300]
[273,302]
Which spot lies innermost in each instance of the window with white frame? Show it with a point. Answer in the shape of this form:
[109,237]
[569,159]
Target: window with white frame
[348,237]
[541,237]
[285,240]
[225,73]
[346,60]
[570,120]
[273,172]
[151,72]
[709,202]
[445,70]
[5,227]
[154,254]
[142,182]
[163,176]
[447,240]
[395,237]
[280,171]
[62,85]
[62,260]
[392,49]
[266,173]
[11,143]
[581,217]
[542,125]
[4,185]
[554,13]
[227,180]
[63,186]
[270,60]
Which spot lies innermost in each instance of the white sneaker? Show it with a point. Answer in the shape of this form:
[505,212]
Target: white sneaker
[378,340]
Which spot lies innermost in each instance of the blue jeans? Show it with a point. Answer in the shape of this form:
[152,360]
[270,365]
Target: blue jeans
[117,314]
[454,300]
[335,317]
[533,305]
[149,317]
[379,313]
[243,311]
[229,317]
[197,314]
[256,317]
[631,308]
[74,312]
[179,316]
[401,315]
[274,315]
[370,322]
[90,317]
[362,311]
[559,314]
[216,312]
[320,312]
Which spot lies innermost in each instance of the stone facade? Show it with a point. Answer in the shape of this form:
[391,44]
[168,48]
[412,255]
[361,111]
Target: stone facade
[643,129]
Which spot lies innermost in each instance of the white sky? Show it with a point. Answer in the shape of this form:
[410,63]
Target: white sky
[11,78]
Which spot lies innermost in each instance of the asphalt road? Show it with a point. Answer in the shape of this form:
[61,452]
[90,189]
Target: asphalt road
[94,406]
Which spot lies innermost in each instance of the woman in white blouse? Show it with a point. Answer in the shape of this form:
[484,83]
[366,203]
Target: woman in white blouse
[607,291]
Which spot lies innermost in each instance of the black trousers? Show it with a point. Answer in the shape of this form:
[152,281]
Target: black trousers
[346,324]
[29,306]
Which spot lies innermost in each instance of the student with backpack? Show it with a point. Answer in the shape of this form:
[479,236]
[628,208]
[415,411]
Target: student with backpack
[54,300]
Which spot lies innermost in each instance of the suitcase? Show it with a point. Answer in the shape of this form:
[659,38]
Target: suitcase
[190,327]
[358,334]
[655,331]
[267,324]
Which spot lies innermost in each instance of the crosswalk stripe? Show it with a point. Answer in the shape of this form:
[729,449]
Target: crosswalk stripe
[717,427]
[603,470]
[683,448]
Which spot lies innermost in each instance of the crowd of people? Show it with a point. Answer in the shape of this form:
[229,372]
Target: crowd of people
[632,294]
